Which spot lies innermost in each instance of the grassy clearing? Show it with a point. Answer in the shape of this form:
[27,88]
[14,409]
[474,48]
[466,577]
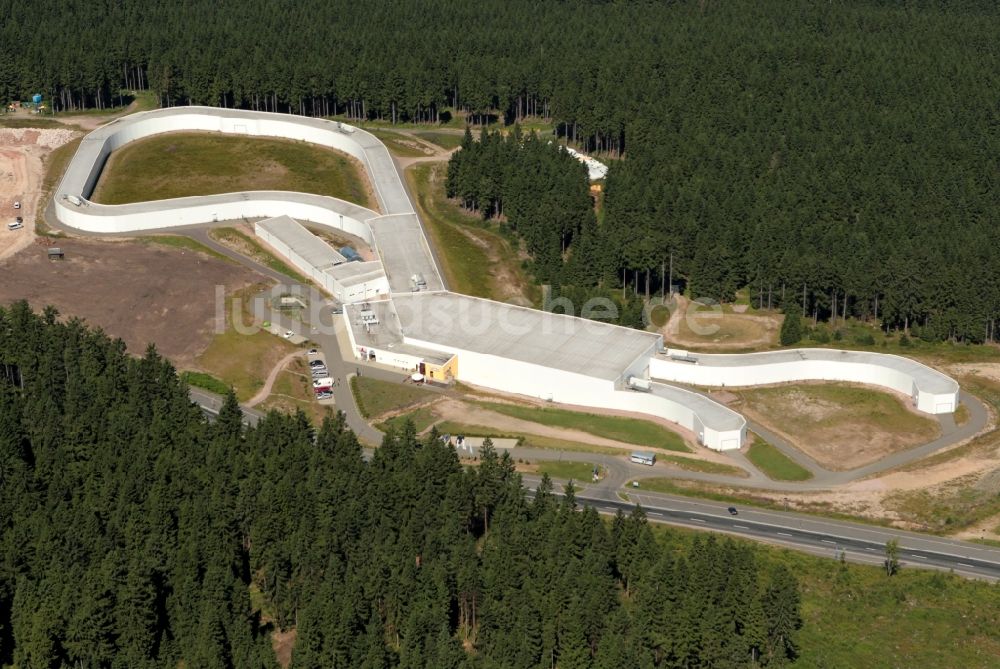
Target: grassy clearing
[248,246]
[33,122]
[619,428]
[841,425]
[422,419]
[205,381]
[692,465]
[186,164]
[775,464]
[475,259]
[727,330]
[567,470]
[186,243]
[446,140]
[945,509]
[243,360]
[375,397]
[399,144]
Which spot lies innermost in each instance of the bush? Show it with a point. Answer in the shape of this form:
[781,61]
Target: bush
[791,327]
[837,335]
[904,341]
[865,339]
[821,337]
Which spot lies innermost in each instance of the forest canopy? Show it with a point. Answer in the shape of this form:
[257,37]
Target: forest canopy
[136,533]
[841,155]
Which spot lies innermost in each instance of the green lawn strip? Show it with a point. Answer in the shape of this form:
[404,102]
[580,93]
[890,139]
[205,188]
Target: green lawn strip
[567,469]
[693,465]
[249,246]
[399,144]
[463,261]
[446,140]
[191,163]
[182,242]
[205,381]
[422,419]
[620,428]
[775,464]
[376,397]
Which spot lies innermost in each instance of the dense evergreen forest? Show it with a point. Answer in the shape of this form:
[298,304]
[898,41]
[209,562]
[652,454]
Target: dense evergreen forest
[841,155]
[134,533]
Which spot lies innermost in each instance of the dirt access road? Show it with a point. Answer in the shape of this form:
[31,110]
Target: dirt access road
[23,152]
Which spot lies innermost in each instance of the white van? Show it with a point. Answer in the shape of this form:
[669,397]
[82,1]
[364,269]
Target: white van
[15,225]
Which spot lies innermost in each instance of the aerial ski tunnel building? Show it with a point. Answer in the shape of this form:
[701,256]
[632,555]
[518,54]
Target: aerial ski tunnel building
[498,346]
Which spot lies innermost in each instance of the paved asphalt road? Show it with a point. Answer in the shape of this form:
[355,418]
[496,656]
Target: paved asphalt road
[820,536]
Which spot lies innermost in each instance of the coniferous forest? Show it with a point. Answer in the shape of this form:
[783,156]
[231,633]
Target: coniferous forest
[839,155]
[135,533]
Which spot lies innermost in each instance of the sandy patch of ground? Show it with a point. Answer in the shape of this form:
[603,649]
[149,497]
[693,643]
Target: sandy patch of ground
[989,370]
[139,292]
[22,155]
[699,327]
[842,426]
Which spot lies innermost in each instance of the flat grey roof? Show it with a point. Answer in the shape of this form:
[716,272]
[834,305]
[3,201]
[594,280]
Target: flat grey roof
[350,273]
[551,340]
[386,336]
[927,379]
[311,248]
[400,243]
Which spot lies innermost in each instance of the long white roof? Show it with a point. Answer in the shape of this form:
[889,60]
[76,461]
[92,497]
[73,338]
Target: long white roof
[308,246]
[520,333]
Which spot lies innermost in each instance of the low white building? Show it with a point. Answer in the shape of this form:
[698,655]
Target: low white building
[543,355]
[346,281]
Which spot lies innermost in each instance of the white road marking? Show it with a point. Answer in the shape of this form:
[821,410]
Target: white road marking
[827,541]
[920,557]
[697,520]
[784,534]
[741,527]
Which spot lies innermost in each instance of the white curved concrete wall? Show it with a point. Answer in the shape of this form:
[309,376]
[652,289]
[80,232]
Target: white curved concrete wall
[85,169]
[177,212]
[931,391]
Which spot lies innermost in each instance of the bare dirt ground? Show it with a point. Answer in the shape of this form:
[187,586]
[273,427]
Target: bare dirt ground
[838,435]
[697,327]
[139,292]
[22,169]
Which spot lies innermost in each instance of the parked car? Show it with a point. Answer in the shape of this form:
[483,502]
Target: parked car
[289,334]
[324,395]
[17,204]
[15,225]
[313,351]
[320,373]
[317,363]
